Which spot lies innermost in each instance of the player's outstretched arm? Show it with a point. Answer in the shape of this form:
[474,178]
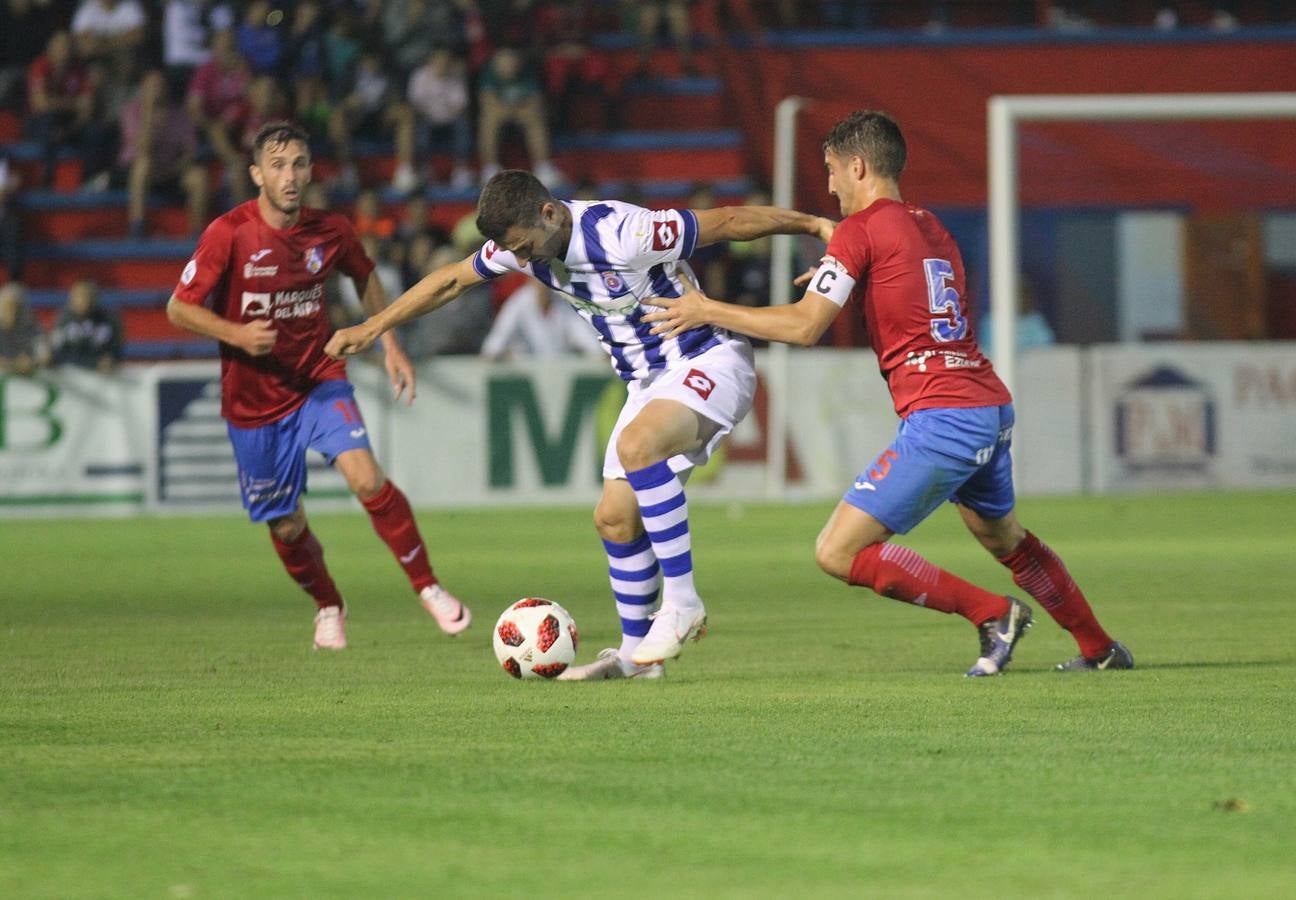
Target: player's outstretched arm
[255,338]
[746,223]
[434,291]
[803,322]
[373,297]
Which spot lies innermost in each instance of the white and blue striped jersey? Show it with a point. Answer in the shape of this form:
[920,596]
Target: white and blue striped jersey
[618,254]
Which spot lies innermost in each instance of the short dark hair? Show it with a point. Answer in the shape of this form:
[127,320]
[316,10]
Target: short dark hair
[872,136]
[512,197]
[273,134]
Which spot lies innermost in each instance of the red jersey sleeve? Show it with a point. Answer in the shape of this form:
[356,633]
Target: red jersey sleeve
[852,247]
[352,260]
[208,265]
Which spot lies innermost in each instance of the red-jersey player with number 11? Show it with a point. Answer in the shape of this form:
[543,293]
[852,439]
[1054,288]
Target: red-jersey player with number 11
[955,433]
[263,265]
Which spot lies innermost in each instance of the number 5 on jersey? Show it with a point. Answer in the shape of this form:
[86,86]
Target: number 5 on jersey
[948,323]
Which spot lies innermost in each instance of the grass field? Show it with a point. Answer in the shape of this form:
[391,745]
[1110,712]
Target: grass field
[167,731]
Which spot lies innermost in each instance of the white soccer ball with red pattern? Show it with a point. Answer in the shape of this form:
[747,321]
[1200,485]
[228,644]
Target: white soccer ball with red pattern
[535,638]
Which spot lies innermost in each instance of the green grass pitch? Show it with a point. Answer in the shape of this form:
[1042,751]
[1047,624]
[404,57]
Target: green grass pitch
[167,731]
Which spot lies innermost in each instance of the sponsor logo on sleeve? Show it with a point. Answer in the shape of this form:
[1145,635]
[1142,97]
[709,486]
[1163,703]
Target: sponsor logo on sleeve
[666,235]
[190,270]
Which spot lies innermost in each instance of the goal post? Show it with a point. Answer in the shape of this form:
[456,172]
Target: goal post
[1005,112]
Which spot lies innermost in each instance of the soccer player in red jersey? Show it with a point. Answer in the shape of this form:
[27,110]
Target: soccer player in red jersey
[263,265]
[955,433]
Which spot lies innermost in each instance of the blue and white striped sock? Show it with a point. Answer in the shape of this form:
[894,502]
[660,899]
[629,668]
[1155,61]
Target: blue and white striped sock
[635,578]
[665,518]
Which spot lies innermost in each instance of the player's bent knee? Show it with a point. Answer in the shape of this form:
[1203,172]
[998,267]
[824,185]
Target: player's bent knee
[832,559]
[289,528]
[633,450]
[615,524]
[367,487]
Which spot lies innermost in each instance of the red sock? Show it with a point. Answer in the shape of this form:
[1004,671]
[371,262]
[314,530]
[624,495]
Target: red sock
[304,560]
[1038,571]
[393,519]
[897,572]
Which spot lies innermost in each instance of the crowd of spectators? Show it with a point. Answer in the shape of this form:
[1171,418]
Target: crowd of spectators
[146,94]
[85,334]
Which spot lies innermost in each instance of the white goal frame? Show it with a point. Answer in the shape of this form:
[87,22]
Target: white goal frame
[1003,114]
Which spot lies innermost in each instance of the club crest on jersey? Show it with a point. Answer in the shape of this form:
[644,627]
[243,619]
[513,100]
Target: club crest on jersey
[665,235]
[614,283]
[700,382]
[314,260]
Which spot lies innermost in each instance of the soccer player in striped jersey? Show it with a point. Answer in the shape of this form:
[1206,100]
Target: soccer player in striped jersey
[686,392]
[955,433]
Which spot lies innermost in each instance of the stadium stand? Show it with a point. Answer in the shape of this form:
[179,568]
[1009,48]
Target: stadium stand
[663,127]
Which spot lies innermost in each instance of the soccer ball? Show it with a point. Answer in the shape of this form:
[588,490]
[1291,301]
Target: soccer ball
[535,638]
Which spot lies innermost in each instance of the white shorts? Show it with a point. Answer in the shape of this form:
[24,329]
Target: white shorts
[719,384]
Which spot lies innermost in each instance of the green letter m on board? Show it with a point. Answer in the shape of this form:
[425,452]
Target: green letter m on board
[516,393]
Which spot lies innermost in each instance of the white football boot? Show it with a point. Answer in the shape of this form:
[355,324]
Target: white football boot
[610,665]
[672,626]
[330,628]
[450,614]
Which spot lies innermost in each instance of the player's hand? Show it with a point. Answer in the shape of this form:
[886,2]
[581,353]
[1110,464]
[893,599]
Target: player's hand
[804,277]
[824,228]
[676,315]
[349,341]
[399,370]
[256,338]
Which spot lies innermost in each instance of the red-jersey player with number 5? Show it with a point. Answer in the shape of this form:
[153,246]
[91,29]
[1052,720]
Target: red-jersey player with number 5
[956,423]
[263,266]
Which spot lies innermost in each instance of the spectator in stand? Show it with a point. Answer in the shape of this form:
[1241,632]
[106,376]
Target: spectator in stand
[186,32]
[264,104]
[305,67]
[258,39]
[217,104]
[25,29]
[159,151]
[577,77]
[409,36]
[449,330]
[11,256]
[388,275]
[535,321]
[438,94]
[85,334]
[109,30]
[709,263]
[23,349]
[675,13]
[747,280]
[510,93]
[418,250]
[372,107]
[341,53]
[413,220]
[369,218]
[61,112]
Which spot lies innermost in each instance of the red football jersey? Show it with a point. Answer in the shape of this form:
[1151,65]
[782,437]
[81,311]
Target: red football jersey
[908,277]
[252,271]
